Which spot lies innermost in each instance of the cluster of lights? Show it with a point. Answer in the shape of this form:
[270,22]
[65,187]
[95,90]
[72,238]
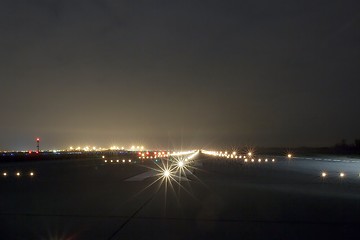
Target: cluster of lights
[151,155]
[226,154]
[18,174]
[112,148]
[233,155]
[183,153]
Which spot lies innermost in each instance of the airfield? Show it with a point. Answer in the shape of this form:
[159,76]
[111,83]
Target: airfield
[215,198]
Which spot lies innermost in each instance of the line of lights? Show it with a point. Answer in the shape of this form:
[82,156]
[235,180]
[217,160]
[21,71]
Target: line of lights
[340,174]
[18,174]
[118,161]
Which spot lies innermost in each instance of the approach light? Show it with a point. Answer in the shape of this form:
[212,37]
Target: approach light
[103,157]
[31,174]
[250,153]
[111,160]
[266,160]
[18,174]
[166,173]
[4,174]
[117,160]
[105,161]
[273,160]
[259,160]
[289,155]
[130,160]
[342,174]
[323,174]
[123,160]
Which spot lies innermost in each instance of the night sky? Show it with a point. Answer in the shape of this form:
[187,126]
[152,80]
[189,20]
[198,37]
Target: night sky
[179,73]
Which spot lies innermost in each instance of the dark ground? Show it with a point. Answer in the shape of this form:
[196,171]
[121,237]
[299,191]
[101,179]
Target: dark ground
[88,199]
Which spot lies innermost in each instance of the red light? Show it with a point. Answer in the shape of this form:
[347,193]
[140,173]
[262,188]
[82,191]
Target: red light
[37,152]
[147,153]
[30,152]
[38,139]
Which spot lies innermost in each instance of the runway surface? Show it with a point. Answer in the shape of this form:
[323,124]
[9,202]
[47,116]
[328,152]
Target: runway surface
[224,199]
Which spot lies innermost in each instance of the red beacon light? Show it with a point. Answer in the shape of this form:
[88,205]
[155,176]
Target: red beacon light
[38,139]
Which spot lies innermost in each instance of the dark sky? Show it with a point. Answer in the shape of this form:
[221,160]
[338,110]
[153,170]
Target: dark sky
[162,73]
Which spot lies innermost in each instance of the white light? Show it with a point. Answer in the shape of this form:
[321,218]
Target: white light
[252,160]
[273,160]
[105,161]
[259,160]
[323,174]
[117,160]
[31,174]
[180,164]
[166,173]
[103,157]
[5,174]
[266,160]
[342,174]
[245,160]
[129,160]
[111,160]
[289,155]
[249,153]
[18,174]
[123,160]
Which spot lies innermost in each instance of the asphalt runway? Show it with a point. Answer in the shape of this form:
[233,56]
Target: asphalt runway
[225,199]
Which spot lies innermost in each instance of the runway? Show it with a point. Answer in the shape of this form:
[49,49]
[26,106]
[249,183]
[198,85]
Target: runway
[90,199]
